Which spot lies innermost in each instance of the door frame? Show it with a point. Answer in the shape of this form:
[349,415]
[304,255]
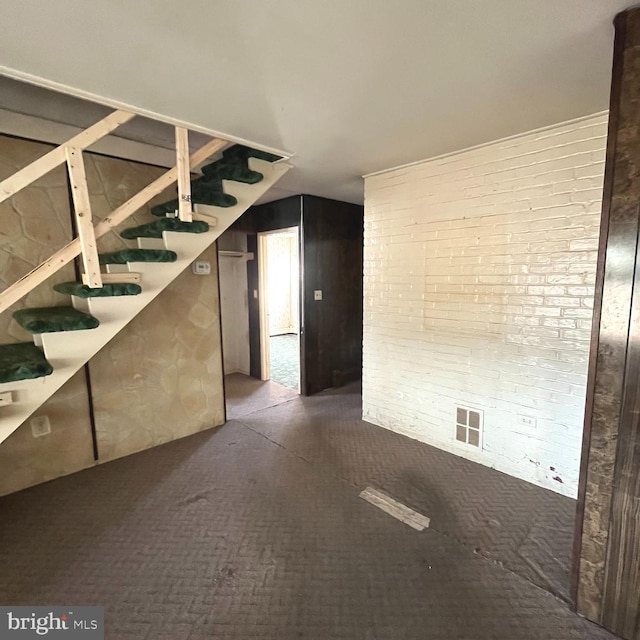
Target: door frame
[263,301]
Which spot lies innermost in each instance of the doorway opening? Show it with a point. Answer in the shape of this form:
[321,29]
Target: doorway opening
[244,394]
[279,282]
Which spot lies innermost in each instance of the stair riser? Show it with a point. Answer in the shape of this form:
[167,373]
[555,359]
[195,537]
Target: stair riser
[151,243]
[117,268]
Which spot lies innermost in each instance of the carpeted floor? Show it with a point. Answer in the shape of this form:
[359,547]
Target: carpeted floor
[246,395]
[285,360]
[256,530]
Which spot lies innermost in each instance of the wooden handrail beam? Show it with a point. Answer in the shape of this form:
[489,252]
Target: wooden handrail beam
[38,275]
[57,156]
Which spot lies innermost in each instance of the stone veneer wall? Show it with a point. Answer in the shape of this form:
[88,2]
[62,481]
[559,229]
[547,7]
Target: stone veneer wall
[158,380]
[161,377]
[33,224]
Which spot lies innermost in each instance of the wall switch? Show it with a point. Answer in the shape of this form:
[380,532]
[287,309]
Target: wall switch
[40,426]
[5,398]
[201,268]
[317,294]
[255,294]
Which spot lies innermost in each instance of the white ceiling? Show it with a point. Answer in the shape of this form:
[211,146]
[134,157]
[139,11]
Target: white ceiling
[348,86]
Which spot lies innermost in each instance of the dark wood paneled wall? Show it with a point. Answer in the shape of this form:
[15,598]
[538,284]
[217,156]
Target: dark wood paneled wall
[255,366]
[607,553]
[331,235]
[280,214]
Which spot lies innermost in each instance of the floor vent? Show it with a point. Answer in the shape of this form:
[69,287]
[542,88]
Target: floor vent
[469,426]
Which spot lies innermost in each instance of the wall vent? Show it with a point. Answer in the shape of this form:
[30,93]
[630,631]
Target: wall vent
[469,426]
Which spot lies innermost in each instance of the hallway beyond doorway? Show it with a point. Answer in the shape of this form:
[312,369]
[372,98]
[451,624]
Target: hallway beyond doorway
[279,303]
[285,360]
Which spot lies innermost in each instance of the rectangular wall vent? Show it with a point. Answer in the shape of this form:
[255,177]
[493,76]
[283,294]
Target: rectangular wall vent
[469,426]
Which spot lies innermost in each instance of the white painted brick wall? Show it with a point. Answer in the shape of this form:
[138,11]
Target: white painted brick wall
[479,272]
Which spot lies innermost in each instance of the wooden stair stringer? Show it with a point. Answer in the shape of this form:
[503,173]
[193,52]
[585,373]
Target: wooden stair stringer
[69,351]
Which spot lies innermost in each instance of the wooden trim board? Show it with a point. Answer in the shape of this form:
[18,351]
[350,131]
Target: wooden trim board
[396,509]
[57,156]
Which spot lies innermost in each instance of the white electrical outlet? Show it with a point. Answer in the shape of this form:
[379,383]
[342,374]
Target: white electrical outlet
[40,426]
[317,294]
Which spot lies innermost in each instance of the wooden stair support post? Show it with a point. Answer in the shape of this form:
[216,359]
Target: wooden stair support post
[184,179]
[38,275]
[84,219]
[57,156]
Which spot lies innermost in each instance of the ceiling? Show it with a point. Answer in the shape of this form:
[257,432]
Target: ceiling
[348,87]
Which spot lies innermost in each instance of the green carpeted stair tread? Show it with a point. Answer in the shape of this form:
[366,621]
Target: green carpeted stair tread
[107,290]
[208,190]
[22,361]
[157,227]
[235,170]
[199,195]
[239,151]
[138,255]
[52,319]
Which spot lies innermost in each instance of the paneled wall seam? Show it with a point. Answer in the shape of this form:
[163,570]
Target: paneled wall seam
[85,368]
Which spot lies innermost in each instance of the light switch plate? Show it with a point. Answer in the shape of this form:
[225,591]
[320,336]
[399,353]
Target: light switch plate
[201,268]
[5,398]
[317,294]
[40,426]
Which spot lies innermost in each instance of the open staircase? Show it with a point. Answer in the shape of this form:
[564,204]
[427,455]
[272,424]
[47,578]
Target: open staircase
[126,281]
